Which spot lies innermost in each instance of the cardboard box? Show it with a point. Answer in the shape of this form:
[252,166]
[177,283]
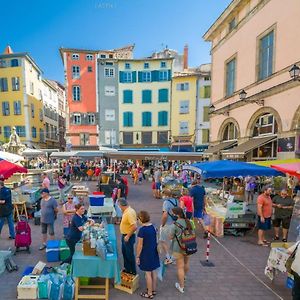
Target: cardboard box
[27,287]
[39,267]
[129,283]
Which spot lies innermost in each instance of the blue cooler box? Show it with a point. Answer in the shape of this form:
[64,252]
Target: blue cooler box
[96,200]
[52,251]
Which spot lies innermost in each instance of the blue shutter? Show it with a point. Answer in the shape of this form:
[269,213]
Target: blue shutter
[121,75]
[160,118]
[127,96]
[146,96]
[134,76]
[146,118]
[163,95]
[3,108]
[130,119]
[140,76]
[125,119]
[154,75]
[169,75]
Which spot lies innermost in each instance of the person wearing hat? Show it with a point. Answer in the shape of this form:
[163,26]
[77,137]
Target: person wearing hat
[6,209]
[128,227]
[49,212]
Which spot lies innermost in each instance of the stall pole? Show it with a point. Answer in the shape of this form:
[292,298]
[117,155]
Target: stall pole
[207,263]
[114,170]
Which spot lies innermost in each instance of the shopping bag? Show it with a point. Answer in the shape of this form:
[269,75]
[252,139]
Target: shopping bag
[55,287]
[161,271]
[69,288]
[206,219]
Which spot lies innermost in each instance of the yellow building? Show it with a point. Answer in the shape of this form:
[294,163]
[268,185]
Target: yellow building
[144,102]
[21,98]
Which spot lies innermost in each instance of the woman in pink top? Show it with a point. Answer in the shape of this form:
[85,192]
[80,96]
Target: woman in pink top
[68,211]
[186,203]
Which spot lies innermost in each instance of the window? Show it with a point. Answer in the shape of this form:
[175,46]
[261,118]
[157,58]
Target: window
[109,63]
[232,24]
[163,64]
[207,78]
[127,77]
[3,84]
[146,65]
[75,56]
[184,106]
[20,130]
[102,56]
[7,131]
[205,113]
[33,132]
[15,83]
[76,118]
[89,57]
[127,96]
[205,91]
[147,138]
[109,90]
[182,86]
[47,131]
[162,137]
[3,63]
[128,138]
[128,119]
[110,55]
[163,118]
[90,69]
[230,132]
[17,108]
[183,127]
[32,110]
[109,72]
[5,108]
[84,139]
[205,136]
[110,137]
[127,66]
[230,77]
[14,62]
[76,93]
[163,95]
[146,96]
[41,114]
[163,75]
[266,49]
[265,124]
[75,72]
[146,119]
[110,115]
[146,76]
[40,94]
[91,119]
[42,135]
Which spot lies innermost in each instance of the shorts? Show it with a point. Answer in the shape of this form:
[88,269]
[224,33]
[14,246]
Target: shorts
[198,214]
[264,226]
[50,228]
[284,221]
[157,185]
[165,233]
[178,255]
[189,215]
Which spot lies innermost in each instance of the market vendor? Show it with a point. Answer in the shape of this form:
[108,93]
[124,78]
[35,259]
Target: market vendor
[76,228]
[283,212]
[238,189]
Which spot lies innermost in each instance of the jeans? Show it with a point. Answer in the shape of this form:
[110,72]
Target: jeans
[128,254]
[10,222]
[71,244]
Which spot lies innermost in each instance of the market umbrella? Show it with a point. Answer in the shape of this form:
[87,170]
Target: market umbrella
[28,152]
[292,169]
[7,169]
[10,156]
[268,163]
[229,168]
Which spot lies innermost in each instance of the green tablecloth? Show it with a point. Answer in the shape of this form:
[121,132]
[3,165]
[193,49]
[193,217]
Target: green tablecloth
[95,266]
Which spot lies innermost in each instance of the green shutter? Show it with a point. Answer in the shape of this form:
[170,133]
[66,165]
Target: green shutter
[121,75]
[163,95]
[146,96]
[134,76]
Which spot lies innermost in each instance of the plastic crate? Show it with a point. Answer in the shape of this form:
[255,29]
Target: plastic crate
[96,200]
[129,283]
[64,251]
[84,280]
[28,270]
[52,251]
[27,287]
[98,193]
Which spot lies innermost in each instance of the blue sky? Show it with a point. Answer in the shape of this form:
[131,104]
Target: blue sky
[40,27]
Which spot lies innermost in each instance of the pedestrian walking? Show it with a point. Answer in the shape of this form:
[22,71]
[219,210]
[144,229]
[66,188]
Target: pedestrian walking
[186,203]
[264,212]
[147,257]
[283,212]
[128,227]
[68,210]
[49,212]
[46,181]
[6,209]
[157,179]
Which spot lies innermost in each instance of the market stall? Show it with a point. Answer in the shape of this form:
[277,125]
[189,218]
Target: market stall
[106,210]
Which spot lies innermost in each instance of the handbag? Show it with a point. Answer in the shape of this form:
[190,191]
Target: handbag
[290,260]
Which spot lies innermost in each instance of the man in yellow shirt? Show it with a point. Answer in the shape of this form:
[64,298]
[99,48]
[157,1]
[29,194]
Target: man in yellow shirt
[128,227]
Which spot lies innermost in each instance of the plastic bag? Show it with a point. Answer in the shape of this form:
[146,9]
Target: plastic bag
[206,219]
[43,286]
[55,287]
[69,288]
[161,271]
[100,248]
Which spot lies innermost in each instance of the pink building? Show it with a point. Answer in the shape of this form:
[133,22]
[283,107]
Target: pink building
[255,112]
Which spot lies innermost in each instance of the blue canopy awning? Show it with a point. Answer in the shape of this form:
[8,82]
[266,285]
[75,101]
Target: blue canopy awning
[229,168]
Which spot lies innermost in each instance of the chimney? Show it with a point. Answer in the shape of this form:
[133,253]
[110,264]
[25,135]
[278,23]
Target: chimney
[185,57]
[7,50]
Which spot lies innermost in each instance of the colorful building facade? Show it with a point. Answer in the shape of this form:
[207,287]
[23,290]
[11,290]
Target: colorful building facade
[255,92]
[21,98]
[145,102]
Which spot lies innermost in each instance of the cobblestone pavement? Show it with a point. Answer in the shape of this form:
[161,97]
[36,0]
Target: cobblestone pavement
[238,274]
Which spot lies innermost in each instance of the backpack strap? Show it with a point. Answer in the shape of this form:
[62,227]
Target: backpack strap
[175,205]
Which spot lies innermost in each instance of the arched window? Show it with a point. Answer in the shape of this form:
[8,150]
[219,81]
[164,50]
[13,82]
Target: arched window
[230,132]
[265,125]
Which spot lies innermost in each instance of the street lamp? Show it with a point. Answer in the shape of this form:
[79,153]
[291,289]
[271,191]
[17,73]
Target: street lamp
[294,72]
[243,95]
[212,109]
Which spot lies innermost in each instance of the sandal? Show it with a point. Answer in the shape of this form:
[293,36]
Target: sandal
[276,238]
[154,293]
[146,295]
[266,242]
[263,244]
[284,240]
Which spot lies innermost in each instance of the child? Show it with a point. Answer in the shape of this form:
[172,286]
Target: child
[186,203]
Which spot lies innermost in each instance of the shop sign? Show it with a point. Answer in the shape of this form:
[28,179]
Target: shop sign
[235,209]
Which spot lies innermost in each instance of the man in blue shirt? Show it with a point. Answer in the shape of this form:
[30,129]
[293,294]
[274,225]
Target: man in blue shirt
[197,192]
[6,209]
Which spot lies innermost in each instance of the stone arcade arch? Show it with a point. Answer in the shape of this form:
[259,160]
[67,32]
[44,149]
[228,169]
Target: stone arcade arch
[223,126]
[296,120]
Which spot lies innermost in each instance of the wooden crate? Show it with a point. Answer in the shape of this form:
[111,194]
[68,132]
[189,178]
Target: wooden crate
[129,283]
[87,250]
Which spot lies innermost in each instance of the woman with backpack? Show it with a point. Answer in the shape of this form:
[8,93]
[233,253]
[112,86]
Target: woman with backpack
[181,250]
[186,203]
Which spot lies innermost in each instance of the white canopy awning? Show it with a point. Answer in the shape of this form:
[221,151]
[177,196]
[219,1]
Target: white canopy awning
[11,157]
